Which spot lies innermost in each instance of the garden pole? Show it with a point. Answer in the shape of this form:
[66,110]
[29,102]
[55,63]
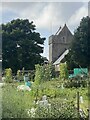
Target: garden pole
[36,95]
[78,104]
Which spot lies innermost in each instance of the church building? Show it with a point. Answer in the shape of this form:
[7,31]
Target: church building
[59,45]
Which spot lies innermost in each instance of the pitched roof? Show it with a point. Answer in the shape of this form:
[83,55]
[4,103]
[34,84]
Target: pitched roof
[60,30]
[61,57]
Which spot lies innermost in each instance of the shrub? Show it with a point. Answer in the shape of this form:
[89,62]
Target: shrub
[75,83]
[43,73]
[63,71]
[59,109]
[49,72]
[8,75]
[20,75]
[38,74]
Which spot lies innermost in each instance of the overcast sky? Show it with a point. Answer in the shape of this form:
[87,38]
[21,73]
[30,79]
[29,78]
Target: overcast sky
[47,16]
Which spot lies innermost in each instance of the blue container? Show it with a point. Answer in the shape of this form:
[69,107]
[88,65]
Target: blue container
[28,83]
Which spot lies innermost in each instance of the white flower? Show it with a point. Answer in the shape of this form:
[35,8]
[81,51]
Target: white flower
[32,112]
[28,111]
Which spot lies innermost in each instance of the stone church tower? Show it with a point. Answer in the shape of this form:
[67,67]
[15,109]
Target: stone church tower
[59,42]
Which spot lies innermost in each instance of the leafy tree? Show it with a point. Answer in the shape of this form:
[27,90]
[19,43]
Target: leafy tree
[38,74]
[43,73]
[49,72]
[79,54]
[22,45]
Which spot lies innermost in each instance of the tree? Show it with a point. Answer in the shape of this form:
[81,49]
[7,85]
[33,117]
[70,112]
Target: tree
[44,73]
[21,45]
[79,54]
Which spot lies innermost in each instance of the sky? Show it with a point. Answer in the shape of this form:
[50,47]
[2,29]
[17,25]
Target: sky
[47,16]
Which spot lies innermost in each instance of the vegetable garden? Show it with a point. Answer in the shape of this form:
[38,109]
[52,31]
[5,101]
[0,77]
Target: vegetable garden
[49,97]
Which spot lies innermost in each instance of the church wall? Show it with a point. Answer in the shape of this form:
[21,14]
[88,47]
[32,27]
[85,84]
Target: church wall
[50,53]
[59,43]
[57,50]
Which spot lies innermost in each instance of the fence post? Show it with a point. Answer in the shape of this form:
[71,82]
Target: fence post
[78,104]
[36,97]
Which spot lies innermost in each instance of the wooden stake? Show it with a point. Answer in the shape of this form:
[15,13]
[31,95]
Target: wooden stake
[78,103]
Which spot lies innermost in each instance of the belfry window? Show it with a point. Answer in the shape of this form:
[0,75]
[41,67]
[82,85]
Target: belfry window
[63,39]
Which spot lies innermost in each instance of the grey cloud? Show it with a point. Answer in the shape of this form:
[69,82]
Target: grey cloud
[43,13]
[69,8]
[46,15]
[16,6]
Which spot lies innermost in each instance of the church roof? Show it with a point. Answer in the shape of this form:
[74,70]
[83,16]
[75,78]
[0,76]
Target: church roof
[61,57]
[62,29]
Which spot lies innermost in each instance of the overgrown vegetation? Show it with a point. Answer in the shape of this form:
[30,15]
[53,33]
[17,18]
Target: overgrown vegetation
[63,101]
[44,73]
[8,75]
[63,71]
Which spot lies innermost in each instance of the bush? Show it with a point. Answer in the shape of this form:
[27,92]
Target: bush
[49,72]
[75,83]
[38,74]
[59,109]
[43,73]
[63,71]
[8,75]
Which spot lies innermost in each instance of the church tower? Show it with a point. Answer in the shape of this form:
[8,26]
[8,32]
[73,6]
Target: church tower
[59,42]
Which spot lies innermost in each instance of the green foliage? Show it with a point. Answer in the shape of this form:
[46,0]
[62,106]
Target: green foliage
[38,74]
[63,71]
[49,72]
[43,73]
[31,75]
[75,83]
[79,54]
[21,45]
[20,75]
[15,103]
[8,75]
[59,109]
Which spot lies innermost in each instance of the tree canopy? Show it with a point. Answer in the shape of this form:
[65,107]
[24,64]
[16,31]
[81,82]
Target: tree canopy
[21,45]
[79,54]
